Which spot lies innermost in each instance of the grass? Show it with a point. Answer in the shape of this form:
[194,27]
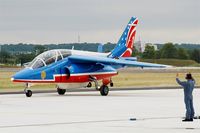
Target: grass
[124,79]
[8,66]
[149,79]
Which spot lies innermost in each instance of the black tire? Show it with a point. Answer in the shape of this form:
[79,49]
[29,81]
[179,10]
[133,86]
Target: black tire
[29,93]
[61,91]
[104,90]
[111,84]
[89,85]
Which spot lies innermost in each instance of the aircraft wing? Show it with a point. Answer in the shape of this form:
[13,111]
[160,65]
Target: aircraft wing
[111,61]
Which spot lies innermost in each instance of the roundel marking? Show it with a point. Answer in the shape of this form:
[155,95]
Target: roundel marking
[43,74]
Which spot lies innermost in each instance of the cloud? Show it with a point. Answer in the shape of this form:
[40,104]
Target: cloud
[52,21]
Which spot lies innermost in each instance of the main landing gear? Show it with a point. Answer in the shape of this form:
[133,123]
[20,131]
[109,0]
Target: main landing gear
[61,91]
[104,90]
[27,92]
[89,85]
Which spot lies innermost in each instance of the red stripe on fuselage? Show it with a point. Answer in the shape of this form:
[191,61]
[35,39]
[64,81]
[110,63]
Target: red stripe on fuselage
[71,79]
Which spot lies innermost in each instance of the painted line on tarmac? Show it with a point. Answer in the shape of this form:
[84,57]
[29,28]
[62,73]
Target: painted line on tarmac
[86,122]
[154,118]
[62,123]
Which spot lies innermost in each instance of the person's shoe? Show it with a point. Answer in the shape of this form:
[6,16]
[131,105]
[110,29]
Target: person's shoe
[187,120]
[196,117]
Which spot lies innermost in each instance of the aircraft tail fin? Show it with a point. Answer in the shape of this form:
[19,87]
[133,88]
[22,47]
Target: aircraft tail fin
[124,46]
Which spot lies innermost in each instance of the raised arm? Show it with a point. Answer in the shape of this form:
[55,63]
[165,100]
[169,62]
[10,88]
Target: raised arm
[182,83]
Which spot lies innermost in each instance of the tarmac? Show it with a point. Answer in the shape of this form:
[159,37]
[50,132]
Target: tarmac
[140,111]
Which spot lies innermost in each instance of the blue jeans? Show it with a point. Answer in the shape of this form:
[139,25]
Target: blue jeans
[189,108]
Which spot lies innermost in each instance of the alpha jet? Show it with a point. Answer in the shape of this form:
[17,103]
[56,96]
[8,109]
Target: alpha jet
[76,69]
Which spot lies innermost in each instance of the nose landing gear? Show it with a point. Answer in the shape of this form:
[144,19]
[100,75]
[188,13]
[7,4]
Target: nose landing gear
[29,93]
[26,91]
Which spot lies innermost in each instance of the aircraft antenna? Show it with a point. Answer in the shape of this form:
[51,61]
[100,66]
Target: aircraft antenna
[79,38]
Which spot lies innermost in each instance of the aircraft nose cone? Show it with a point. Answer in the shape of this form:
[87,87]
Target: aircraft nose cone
[23,74]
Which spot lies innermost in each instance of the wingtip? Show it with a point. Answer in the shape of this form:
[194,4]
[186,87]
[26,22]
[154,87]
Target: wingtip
[169,66]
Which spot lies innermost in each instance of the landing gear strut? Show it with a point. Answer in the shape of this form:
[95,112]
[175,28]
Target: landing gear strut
[27,92]
[94,79]
[61,91]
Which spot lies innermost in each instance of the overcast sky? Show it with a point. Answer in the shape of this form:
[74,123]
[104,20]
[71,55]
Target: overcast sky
[61,21]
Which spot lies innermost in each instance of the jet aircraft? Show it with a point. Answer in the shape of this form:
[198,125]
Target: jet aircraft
[76,69]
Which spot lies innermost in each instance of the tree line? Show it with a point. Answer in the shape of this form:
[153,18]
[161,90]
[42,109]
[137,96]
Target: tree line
[22,53]
[169,51]
[20,58]
[166,51]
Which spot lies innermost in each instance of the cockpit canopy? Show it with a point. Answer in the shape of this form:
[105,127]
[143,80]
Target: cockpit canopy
[49,57]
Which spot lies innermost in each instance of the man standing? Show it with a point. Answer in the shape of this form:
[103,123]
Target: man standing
[188,98]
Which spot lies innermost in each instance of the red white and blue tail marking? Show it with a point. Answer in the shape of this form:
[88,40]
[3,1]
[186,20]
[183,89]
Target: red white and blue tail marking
[124,46]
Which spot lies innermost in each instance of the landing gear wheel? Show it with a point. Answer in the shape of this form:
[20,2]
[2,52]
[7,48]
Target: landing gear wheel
[104,90]
[111,84]
[61,91]
[89,85]
[28,93]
